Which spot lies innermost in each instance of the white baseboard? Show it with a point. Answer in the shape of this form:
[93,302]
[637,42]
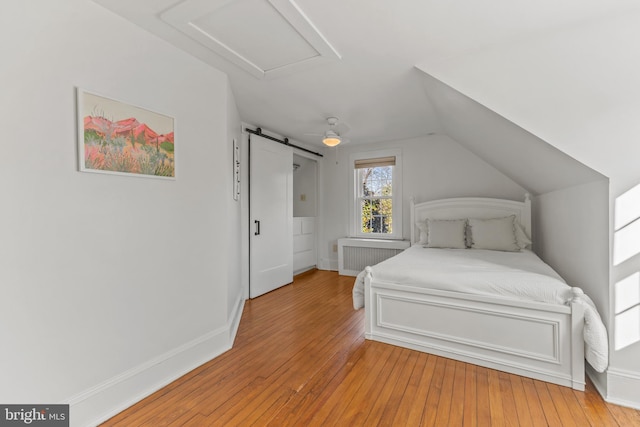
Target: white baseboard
[234,319]
[599,379]
[304,270]
[617,386]
[622,388]
[99,403]
[328,264]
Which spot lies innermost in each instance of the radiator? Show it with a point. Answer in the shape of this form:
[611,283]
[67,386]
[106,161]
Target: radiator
[355,254]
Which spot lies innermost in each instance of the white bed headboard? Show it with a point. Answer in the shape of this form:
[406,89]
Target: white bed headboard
[470,207]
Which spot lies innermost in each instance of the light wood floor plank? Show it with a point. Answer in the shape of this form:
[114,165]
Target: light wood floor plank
[456,410]
[323,381]
[483,403]
[356,411]
[446,392]
[508,402]
[300,359]
[411,392]
[495,400]
[520,401]
[304,406]
[576,409]
[538,418]
[381,393]
[435,391]
[550,412]
[563,409]
[470,403]
[391,414]
[418,406]
[366,371]
[596,406]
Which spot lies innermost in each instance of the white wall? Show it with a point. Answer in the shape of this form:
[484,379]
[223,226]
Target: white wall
[112,285]
[434,167]
[234,224]
[305,182]
[244,206]
[571,235]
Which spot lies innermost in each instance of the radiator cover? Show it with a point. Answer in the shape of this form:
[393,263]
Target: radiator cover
[355,254]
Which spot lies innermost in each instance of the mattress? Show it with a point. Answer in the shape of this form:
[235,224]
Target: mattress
[521,275]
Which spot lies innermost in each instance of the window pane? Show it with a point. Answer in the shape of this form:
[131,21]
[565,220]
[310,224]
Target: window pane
[375,181]
[376,216]
[365,210]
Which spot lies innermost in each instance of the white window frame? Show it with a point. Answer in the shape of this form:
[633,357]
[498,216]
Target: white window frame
[355,221]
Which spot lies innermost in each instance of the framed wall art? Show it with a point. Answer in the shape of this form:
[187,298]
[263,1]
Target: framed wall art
[115,137]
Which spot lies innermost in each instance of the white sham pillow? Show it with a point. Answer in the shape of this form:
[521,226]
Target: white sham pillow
[521,237]
[424,232]
[446,233]
[497,234]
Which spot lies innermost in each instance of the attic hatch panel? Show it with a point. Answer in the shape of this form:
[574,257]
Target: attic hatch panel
[256,31]
[266,38]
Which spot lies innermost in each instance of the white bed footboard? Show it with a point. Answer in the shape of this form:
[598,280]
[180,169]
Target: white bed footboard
[536,340]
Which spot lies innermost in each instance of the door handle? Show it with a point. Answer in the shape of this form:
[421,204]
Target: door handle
[257,223]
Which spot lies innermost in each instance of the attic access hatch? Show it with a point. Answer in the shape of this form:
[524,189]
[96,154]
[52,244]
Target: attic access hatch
[267,38]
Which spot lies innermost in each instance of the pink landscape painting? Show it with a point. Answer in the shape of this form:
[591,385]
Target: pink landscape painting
[120,138]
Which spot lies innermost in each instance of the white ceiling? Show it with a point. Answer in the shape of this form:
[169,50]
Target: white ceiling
[371,82]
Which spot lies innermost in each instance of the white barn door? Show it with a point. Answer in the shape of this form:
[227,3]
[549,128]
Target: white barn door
[271,216]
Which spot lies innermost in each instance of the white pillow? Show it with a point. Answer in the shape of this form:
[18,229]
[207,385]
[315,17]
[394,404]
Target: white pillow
[424,231]
[521,237]
[498,234]
[446,233]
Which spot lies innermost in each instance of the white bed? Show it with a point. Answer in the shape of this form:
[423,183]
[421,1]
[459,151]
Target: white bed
[461,303]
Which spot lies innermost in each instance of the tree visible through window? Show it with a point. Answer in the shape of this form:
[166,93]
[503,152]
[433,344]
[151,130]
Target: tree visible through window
[375,195]
[376,209]
[376,199]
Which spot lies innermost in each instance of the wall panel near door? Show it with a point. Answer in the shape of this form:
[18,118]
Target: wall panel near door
[304,244]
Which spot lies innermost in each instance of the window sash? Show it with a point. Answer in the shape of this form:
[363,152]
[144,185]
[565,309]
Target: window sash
[392,158]
[375,184]
[375,224]
[379,223]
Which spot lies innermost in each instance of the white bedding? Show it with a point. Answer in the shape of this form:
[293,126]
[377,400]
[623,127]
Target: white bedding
[519,275]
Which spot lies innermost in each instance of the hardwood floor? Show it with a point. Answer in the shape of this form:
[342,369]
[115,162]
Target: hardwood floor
[300,359]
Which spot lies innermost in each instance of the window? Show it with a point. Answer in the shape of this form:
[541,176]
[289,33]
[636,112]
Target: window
[377,196]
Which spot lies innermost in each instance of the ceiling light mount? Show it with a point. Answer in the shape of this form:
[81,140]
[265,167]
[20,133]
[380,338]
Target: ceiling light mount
[331,137]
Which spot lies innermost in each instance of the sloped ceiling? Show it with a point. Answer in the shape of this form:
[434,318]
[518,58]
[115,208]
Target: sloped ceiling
[372,86]
[563,72]
[576,87]
[520,155]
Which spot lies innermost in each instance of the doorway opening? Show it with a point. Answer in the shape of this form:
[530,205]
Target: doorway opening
[305,187]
